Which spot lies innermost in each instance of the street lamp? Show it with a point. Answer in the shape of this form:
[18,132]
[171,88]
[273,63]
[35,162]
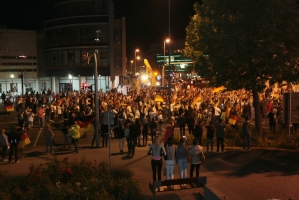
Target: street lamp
[138,58]
[137,50]
[163,68]
[131,66]
[12,88]
[169,89]
[71,84]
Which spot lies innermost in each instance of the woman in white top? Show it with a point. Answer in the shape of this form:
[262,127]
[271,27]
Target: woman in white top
[158,151]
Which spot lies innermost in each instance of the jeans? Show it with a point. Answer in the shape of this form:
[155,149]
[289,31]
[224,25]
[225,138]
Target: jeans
[169,165]
[248,139]
[40,121]
[4,152]
[196,166]
[13,147]
[156,164]
[132,144]
[75,141]
[121,142]
[220,141]
[183,164]
[49,143]
[66,140]
[210,141]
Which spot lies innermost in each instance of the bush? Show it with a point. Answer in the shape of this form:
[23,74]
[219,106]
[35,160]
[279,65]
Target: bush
[279,139]
[61,180]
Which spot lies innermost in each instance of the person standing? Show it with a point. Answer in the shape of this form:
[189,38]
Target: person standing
[133,138]
[4,144]
[24,141]
[220,132]
[29,116]
[167,134]
[3,97]
[170,159]
[210,136]
[127,134]
[158,151]
[120,134]
[181,157]
[144,130]
[196,153]
[21,119]
[247,129]
[65,131]
[153,128]
[198,131]
[272,121]
[40,116]
[48,133]
[75,135]
[182,123]
[14,139]
[191,123]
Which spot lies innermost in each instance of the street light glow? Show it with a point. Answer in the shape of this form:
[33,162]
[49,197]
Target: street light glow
[12,76]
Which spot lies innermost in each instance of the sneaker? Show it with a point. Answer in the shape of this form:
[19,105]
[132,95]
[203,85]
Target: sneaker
[17,161]
[5,160]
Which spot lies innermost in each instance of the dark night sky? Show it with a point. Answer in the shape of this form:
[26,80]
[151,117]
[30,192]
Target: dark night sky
[147,20]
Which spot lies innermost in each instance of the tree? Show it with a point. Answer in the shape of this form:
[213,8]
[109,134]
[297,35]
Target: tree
[245,43]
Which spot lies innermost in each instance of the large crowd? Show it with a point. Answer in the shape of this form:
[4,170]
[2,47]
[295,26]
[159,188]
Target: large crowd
[139,115]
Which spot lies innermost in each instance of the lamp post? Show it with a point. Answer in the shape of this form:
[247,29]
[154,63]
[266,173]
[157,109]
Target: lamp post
[131,66]
[163,68]
[71,84]
[137,50]
[169,89]
[138,58]
[12,87]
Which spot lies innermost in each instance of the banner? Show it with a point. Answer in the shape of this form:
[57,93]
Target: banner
[233,119]
[9,108]
[86,126]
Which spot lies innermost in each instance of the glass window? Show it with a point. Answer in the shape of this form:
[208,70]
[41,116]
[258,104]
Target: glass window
[117,58]
[70,57]
[78,57]
[117,36]
[54,58]
[65,58]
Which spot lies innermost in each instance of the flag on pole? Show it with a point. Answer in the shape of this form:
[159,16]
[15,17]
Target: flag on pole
[86,126]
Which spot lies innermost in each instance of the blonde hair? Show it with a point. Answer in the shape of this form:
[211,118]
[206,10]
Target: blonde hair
[156,142]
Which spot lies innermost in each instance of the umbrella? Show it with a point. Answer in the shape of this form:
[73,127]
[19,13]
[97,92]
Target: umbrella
[159,98]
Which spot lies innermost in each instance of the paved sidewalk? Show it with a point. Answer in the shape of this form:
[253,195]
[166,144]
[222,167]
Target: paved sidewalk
[238,174]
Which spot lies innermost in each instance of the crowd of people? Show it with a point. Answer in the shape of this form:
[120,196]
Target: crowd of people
[140,115]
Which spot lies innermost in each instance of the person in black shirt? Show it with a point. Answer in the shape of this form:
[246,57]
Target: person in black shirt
[14,139]
[210,136]
[198,130]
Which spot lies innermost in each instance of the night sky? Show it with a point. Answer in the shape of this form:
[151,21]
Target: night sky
[147,20]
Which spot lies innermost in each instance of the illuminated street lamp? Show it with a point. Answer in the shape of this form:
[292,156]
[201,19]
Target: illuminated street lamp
[138,58]
[137,50]
[163,68]
[12,87]
[131,65]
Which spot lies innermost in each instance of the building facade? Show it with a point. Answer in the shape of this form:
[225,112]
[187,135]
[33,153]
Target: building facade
[78,31]
[18,61]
